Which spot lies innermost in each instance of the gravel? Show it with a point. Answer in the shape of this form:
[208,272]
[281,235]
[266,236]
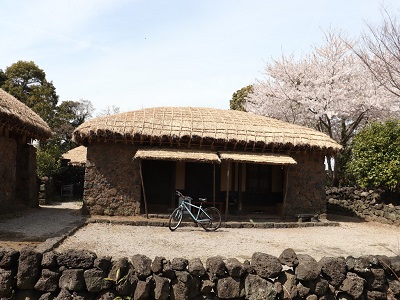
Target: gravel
[348,239]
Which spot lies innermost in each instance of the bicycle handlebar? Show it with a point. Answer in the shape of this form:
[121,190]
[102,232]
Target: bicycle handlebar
[178,193]
[185,198]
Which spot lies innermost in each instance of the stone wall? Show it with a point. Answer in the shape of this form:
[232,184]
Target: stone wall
[8,150]
[113,184]
[306,185]
[112,180]
[80,274]
[366,204]
[27,182]
[18,179]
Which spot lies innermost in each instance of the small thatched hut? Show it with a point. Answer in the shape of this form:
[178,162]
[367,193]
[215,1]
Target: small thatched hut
[239,161]
[76,156]
[18,126]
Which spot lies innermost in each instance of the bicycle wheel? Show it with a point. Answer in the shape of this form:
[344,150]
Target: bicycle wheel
[214,217]
[175,219]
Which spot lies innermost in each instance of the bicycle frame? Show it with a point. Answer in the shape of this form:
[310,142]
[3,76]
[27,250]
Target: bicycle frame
[187,206]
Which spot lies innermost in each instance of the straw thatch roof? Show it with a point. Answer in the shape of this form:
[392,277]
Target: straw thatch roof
[202,128]
[17,117]
[259,158]
[178,155]
[76,156]
[213,157]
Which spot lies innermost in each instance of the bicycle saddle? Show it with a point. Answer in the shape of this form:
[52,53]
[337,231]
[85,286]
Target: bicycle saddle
[203,199]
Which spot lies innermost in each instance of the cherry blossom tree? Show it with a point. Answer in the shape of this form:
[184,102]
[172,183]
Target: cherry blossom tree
[330,90]
[379,50]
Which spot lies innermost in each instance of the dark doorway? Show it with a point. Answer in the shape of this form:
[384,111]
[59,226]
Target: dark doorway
[159,182]
[199,180]
[258,186]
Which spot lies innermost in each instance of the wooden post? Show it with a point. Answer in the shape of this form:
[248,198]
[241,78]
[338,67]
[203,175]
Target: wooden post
[214,185]
[240,192]
[227,191]
[286,183]
[144,192]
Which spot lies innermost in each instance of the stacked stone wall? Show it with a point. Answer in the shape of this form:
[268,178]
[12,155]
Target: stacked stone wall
[365,204]
[18,179]
[8,150]
[306,185]
[112,180]
[27,182]
[81,274]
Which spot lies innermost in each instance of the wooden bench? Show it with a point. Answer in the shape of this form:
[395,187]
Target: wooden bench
[307,217]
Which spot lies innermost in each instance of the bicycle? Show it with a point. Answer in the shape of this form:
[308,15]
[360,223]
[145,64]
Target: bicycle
[209,218]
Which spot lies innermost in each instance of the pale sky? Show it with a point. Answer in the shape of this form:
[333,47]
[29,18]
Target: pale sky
[145,53]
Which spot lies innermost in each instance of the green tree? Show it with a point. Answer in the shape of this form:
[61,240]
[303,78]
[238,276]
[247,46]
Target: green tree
[375,159]
[28,83]
[3,77]
[239,98]
[69,115]
[48,159]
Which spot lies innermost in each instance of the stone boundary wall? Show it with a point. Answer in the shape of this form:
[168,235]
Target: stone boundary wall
[80,274]
[365,204]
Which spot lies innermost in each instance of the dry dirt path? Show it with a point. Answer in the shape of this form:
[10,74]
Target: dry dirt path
[33,226]
[350,238]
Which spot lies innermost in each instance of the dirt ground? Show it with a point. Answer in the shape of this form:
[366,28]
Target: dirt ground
[351,237]
[33,226]
[348,239]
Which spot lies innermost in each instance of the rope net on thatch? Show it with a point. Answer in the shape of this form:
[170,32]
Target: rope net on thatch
[76,156]
[202,128]
[16,116]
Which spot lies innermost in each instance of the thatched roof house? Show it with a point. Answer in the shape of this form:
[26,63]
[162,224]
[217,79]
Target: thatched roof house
[76,156]
[245,161]
[203,127]
[18,126]
[16,117]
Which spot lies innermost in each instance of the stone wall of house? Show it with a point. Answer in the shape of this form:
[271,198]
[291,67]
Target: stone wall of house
[8,150]
[306,185]
[27,183]
[80,274]
[33,181]
[112,180]
[18,179]
[369,205]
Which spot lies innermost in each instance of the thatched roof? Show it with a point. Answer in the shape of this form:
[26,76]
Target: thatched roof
[207,128]
[17,117]
[258,158]
[213,157]
[76,156]
[178,155]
